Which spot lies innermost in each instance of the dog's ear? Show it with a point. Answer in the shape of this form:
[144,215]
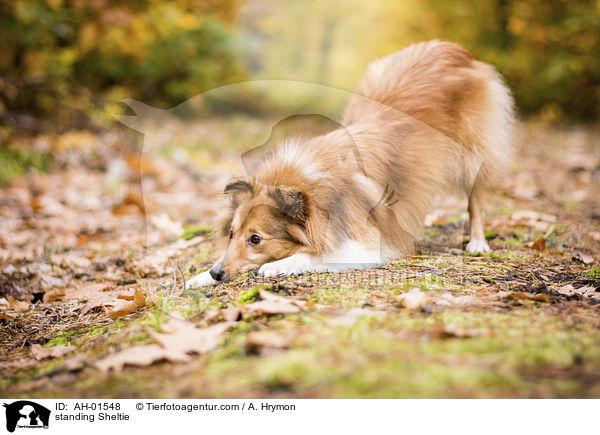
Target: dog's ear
[291,202]
[238,191]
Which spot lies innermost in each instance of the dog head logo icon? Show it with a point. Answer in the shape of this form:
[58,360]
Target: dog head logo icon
[26,414]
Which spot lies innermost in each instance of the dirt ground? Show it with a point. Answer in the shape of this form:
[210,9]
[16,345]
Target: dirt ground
[94,254]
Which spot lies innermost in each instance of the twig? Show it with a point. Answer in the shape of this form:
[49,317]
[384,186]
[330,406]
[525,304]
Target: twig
[182,277]
[174,276]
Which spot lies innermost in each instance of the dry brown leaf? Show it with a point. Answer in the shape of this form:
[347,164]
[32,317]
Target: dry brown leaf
[72,260]
[350,317]
[231,314]
[539,297]
[529,218]
[414,299]
[116,303]
[120,307]
[538,244]
[76,362]
[54,295]
[272,307]
[211,315]
[275,304]
[268,296]
[17,305]
[585,291]
[448,300]
[258,339]
[138,356]
[454,330]
[39,352]
[176,345]
[185,337]
[583,258]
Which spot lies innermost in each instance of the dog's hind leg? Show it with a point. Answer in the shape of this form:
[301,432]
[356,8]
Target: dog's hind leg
[477,242]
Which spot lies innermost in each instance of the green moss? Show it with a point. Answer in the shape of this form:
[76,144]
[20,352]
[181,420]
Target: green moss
[248,296]
[195,231]
[491,234]
[594,273]
[66,337]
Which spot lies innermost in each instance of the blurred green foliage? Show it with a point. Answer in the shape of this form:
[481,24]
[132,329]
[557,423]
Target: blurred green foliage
[549,51]
[15,162]
[62,59]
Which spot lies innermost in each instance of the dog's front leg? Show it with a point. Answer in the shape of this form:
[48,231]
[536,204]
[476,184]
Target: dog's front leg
[296,264]
[350,255]
[201,280]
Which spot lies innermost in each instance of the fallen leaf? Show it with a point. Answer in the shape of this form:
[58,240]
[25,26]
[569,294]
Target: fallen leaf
[116,303]
[179,341]
[54,295]
[73,260]
[17,305]
[583,258]
[258,339]
[529,218]
[268,296]
[538,244]
[350,317]
[447,300]
[272,307]
[414,299]
[275,304]
[4,304]
[585,291]
[75,363]
[454,330]
[231,314]
[211,315]
[138,356]
[39,352]
[121,307]
[539,297]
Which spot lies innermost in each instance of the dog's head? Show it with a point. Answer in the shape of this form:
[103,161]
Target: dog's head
[265,223]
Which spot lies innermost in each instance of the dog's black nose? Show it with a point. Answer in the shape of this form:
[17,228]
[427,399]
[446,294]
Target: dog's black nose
[217,272]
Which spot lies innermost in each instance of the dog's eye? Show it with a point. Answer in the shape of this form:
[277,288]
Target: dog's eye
[230,234]
[254,239]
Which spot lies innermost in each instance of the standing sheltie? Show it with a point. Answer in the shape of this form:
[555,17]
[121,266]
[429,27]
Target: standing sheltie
[423,121]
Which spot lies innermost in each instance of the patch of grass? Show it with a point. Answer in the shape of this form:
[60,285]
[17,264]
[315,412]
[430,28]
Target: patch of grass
[491,234]
[195,231]
[250,295]
[66,337]
[594,273]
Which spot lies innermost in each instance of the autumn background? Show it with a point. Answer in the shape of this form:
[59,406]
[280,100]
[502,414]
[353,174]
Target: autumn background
[101,224]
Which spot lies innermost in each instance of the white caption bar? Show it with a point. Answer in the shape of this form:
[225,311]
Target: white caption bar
[283,416]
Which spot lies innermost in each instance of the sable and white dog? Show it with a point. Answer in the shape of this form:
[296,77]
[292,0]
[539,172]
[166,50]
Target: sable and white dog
[423,120]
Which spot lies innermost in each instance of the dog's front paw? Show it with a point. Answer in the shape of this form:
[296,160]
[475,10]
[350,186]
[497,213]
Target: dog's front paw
[477,246]
[296,264]
[201,280]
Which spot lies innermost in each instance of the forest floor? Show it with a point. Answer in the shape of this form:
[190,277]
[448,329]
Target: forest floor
[94,253]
